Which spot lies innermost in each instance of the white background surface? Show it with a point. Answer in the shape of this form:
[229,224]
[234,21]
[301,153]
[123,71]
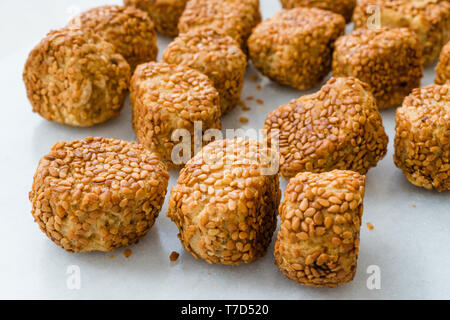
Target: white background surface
[411,245]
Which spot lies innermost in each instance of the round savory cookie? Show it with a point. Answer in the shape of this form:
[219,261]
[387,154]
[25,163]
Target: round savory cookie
[422,139]
[235,18]
[225,202]
[170,100]
[343,7]
[130,30]
[97,194]
[164,13]
[318,241]
[295,46]
[389,60]
[218,56]
[338,127]
[76,78]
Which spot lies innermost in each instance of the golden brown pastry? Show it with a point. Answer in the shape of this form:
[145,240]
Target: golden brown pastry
[343,7]
[225,202]
[338,127]
[97,194]
[443,67]
[318,241]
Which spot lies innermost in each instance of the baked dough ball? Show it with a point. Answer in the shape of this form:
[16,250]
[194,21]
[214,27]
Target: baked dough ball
[318,241]
[225,203]
[389,60]
[164,13]
[339,127]
[76,79]
[130,30]
[443,67]
[295,46]
[215,55]
[235,18]
[422,139]
[165,98]
[97,194]
[430,19]
[343,7]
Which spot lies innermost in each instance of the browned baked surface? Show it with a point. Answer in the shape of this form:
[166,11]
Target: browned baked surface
[318,241]
[215,55]
[343,7]
[235,18]
[97,194]
[443,67]
[387,59]
[430,19]
[225,202]
[294,47]
[166,97]
[339,127]
[164,13]
[75,78]
[422,139]
[130,30]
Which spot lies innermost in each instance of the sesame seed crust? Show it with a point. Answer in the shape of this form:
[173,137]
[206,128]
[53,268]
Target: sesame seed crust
[343,7]
[318,241]
[430,19]
[164,13]
[388,60]
[339,127]
[76,79]
[215,55]
[294,47]
[225,204]
[422,139]
[130,30]
[167,97]
[443,67]
[97,194]
[235,18]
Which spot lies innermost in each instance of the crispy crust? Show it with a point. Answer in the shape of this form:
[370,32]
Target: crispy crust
[225,205]
[318,242]
[235,18]
[389,60]
[130,30]
[295,46]
[343,7]
[97,194]
[166,97]
[76,79]
[164,13]
[213,54]
[443,67]
[422,140]
[430,19]
[339,127]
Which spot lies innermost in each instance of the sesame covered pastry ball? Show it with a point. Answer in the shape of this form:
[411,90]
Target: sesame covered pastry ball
[443,67]
[295,46]
[167,97]
[164,13]
[97,194]
[430,19]
[235,18]
[339,127]
[343,7]
[422,139]
[76,79]
[389,60]
[215,55]
[225,203]
[318,241]
[130,30]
